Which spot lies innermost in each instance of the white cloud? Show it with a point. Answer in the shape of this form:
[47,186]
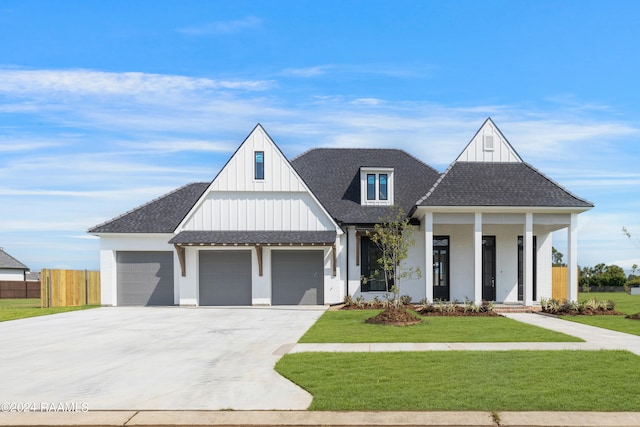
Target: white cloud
[20,82]
[315,71]
[222,27]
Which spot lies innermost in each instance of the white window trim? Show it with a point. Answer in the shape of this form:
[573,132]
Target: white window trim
[364,171]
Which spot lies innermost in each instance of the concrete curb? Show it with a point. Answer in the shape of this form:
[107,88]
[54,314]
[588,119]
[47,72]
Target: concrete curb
[309,419]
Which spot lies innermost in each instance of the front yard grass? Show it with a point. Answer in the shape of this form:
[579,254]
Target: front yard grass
[625,303]
[348,326]
[11,309]
[468,381]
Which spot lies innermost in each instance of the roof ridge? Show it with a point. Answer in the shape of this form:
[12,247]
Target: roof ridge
[400,150]
[137,208]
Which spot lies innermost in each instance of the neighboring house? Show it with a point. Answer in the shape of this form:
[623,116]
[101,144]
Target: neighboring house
[269,231]
[10,268]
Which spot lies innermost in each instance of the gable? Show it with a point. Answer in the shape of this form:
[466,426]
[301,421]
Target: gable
[276,199]
[489,145]
[239,172]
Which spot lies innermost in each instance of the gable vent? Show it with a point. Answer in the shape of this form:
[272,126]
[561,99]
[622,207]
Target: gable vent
[488,143]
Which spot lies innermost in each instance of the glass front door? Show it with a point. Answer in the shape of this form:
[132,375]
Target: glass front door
[489,268]
[441,268]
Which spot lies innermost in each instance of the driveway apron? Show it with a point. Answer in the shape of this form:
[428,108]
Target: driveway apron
[153,358]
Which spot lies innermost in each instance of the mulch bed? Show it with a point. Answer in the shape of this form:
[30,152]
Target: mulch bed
[395,317]
[457,312]
[633,316]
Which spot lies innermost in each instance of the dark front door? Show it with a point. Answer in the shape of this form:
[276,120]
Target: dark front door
[489,268]
[441,268]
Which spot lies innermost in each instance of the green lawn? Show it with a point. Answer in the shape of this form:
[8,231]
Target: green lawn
[476,381]
[11,309]
[625,303]
[348,326]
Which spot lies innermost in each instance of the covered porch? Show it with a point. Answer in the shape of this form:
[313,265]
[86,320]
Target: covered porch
[495,254]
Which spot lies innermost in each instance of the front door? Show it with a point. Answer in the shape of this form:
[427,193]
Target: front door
[489,268]
[441,268]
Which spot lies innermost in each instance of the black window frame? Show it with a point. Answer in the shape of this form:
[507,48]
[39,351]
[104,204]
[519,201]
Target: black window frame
[386,186]
[371,191]
[368,266]
[258,165]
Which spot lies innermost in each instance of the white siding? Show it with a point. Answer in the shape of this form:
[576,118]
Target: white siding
[11,275]
[477,152]
[258,211]
[238,173]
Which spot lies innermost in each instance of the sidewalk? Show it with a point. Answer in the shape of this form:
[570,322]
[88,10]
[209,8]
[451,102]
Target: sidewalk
[309,419]
[595,339]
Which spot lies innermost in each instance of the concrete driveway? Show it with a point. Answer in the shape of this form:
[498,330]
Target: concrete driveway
[154,358]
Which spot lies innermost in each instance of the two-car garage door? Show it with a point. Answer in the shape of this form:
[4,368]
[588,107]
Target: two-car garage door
[297,278]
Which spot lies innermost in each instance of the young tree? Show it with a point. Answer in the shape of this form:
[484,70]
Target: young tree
[393,236]
[556,257]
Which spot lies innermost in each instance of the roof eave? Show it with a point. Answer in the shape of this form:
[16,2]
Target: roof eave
[500,209]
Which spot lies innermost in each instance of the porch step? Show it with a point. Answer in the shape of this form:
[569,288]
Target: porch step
[507,308]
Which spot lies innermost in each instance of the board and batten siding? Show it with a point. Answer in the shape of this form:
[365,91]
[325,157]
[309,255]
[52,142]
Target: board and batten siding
[238,173]
[236,200]
[501,150]
[258,211]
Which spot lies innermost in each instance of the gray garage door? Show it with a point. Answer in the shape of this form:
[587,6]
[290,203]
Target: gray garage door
[225,278]
[297,277]
[145,278]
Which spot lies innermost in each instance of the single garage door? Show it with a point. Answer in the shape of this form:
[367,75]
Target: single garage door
[297,277]
[145,278]
[225,278]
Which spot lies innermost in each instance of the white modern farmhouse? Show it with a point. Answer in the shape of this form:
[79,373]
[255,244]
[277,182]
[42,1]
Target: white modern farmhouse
[273,231]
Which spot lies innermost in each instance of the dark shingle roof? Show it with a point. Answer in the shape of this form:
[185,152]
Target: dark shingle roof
[9,262]
[498,184]
[255,237]
[333,175]
[161,215]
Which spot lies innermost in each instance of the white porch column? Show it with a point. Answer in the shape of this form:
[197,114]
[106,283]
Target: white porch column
[527,246]
[572,258]
[477,258]
[428,255]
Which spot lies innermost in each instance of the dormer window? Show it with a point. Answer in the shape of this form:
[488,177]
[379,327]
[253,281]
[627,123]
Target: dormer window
[376,186]
[259,165]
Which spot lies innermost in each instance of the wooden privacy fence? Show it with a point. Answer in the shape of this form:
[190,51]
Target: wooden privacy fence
[19,289]
[559,283]
[64,288]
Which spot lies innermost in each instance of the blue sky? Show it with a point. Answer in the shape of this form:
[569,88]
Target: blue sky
[105,105]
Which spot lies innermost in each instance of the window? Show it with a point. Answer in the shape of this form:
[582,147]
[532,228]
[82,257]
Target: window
[371,186]
[376,187]
[259,165]
[372,277]
[382,186]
